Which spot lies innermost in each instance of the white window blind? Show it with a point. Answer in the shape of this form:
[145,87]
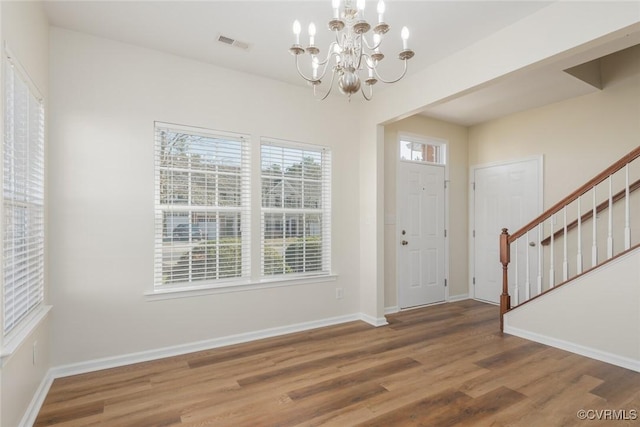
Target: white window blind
[202,207]
[23,198]
[296,209]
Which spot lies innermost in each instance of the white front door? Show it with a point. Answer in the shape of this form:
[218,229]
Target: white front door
[505,196]
[420,236]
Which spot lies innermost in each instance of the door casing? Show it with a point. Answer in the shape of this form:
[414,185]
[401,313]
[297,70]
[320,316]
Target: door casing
[472,200]
[445,266]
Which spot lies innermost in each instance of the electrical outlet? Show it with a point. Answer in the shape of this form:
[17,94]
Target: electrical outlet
[339,293]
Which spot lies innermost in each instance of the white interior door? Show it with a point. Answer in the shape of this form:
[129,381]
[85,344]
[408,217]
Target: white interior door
[505,196]
[421,242]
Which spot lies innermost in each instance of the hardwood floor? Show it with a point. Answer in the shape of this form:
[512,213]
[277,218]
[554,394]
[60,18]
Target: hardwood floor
[438,366]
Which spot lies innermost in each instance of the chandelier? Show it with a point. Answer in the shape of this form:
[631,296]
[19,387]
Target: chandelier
[352,58]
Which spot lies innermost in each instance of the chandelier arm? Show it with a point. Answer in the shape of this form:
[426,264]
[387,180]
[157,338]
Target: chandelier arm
[301,73]
[368,61]
[375,70]
[368,98]
[328,92]
[325,63]
[365,42]
[333,75]
[317,79]
[330,54]
[375,46]
[361,52]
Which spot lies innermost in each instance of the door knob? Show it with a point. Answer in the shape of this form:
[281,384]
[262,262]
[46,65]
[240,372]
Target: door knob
[405,243]
[532,244]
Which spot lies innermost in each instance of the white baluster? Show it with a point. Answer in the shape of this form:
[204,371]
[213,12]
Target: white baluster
[627,227]
[540,260]
[516,291]
[565,262]
[594,245]
[579,260]
[527,280]
[552,273]
[610,232]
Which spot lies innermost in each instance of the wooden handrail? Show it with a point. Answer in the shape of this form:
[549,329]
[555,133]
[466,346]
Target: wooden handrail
[628,158]
[587,215]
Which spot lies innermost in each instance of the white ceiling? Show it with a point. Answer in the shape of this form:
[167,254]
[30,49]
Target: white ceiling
[191,28]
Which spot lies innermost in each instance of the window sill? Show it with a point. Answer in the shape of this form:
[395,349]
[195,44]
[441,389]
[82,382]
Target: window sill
[195,291]
[18,337]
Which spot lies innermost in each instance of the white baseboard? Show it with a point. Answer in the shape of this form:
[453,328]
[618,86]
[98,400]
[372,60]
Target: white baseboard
[452,298]
[380,321]
[590,352]
[145,356]
[391,310]
[455,298]
[33,409]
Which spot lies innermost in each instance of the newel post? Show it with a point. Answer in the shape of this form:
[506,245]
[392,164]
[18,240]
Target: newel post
[505,299]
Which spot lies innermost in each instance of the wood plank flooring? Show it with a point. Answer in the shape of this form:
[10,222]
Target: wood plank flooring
[446,365]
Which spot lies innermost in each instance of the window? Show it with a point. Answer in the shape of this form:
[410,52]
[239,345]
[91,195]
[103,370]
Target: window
[23,198]
[201,208]
[424,151]
[296,209]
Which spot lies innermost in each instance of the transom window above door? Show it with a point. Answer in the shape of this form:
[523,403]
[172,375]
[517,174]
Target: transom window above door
[422,150]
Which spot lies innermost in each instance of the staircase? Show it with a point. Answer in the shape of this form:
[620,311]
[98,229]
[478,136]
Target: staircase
[576,241]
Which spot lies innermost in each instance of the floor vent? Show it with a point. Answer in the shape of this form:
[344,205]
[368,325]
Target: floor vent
[233,42]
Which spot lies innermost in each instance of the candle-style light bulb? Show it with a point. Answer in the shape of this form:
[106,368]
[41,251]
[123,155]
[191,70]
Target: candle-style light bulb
[296,30]
[360,5]
[405,37]
[381,9]
[336,8]
[376,42]
[314,66]
[312,34]
[337,51]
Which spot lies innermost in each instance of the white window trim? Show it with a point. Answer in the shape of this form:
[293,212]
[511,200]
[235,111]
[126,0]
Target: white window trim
[256,281]
[10,342]
[277,282]
[325,210]
[245,211]
[22,332]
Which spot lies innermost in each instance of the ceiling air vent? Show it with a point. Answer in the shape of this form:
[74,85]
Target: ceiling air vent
[233,42]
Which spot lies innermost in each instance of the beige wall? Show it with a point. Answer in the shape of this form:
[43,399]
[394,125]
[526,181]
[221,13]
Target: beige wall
[558,35]
[591,131]
[578,137]
[604,308]
[25,30]
[105,97]
[457,223]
